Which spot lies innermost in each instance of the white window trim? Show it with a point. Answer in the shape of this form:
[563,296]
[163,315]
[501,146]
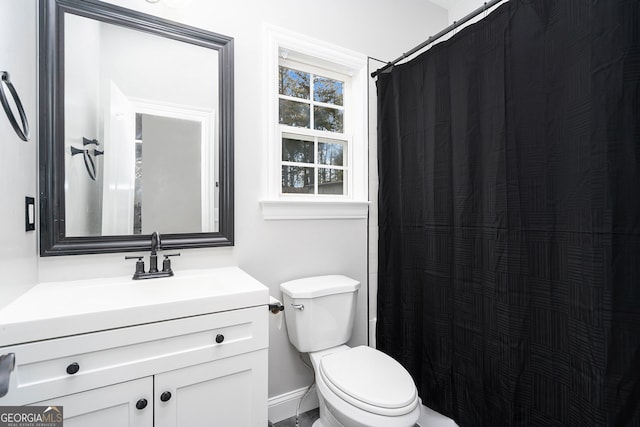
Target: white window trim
[278,206]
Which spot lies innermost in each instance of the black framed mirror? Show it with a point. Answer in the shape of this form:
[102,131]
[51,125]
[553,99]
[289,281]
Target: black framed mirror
[136,131]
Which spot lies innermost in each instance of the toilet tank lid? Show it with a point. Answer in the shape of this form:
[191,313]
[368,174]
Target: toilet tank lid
[318,286]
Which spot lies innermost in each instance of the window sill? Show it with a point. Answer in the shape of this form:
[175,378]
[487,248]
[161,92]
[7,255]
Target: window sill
[314,209]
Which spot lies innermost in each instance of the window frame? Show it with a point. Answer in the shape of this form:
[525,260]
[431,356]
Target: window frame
[326,60]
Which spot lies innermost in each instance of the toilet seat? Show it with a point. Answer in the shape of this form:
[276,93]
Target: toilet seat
[370,380]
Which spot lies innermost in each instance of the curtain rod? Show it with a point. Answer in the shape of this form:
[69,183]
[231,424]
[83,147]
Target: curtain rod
[478,11]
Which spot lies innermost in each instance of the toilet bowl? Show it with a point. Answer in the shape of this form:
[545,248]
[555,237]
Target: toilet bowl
[359,386]
[363,387]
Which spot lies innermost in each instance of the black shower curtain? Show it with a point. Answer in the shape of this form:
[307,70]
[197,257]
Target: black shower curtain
[509,217]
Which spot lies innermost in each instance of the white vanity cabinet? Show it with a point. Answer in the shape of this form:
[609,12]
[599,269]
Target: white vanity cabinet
[206,369]
[219,393]
[109,406]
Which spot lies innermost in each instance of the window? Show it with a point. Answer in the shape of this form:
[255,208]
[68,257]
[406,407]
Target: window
[313,140]
[318,121]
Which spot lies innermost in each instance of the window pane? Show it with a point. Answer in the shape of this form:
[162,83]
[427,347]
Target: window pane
[297,179]
[294,113]
[294,83]
[329,119]
[330,181]
[297,150]
[327,90]
[331,153]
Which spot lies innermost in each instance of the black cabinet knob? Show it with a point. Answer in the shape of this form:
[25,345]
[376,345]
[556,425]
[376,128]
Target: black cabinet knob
[141,404]
[73,368]
[219,338]
[165,396]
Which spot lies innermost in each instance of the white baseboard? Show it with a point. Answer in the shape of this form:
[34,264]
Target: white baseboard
[284,406]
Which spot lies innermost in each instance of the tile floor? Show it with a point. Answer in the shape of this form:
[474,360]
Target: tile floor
[306,419]
[428,417]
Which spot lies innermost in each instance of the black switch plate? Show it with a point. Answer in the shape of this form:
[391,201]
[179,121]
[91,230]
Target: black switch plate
[29,213]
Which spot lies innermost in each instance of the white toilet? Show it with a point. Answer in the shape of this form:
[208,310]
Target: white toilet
[357,387]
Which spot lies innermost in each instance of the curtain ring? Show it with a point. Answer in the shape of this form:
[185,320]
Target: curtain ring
[23,132]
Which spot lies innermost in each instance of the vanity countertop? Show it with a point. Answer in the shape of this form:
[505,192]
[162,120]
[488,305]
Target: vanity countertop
[55,309]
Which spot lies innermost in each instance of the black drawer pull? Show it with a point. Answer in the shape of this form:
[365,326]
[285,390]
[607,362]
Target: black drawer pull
[141,404]
[219,338]
[73,368]
[165,396]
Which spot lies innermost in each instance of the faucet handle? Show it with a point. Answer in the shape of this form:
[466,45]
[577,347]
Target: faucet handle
[139,264]
[166,263]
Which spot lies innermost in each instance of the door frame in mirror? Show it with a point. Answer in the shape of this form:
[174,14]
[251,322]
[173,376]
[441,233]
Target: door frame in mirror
[51,170]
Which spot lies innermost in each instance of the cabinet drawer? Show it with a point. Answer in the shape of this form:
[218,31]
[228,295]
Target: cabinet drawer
[46,369]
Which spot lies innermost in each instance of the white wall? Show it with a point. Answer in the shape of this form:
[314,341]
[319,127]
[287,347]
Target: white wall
[458,9]
[18,172]
[271,251]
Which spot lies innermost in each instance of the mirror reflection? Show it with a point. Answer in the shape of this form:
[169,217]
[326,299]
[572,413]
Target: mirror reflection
[141,115]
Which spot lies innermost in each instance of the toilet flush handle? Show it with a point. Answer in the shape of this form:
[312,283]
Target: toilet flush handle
[298,306]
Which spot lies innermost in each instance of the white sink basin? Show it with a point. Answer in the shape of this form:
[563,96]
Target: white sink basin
[51,310]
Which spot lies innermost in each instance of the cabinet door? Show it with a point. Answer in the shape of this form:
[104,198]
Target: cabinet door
[111,406]
[230,392]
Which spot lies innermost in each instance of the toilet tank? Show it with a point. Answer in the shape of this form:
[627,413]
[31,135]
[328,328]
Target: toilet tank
[319,311]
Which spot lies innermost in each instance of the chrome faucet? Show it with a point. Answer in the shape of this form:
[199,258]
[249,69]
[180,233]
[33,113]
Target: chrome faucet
[153,261]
